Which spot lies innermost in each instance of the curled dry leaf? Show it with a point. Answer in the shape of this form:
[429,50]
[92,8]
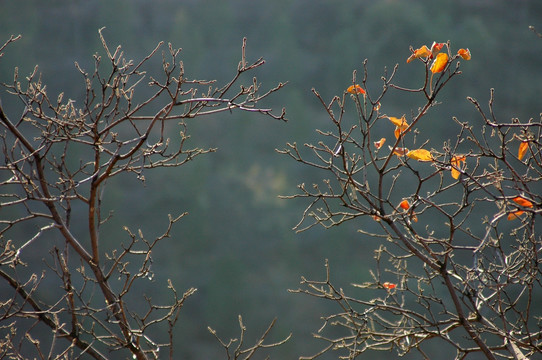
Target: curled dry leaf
[399,151]
[355,89]
[378,144]
[523,149]
[522,201]
[420,155]
[435,48]
[440,63]
[456,165]
[515,214]
[419,53]
[464,53]
[388,285]
[404,205]
[400,125]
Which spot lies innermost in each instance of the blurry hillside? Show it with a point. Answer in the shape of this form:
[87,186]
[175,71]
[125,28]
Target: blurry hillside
[237,246]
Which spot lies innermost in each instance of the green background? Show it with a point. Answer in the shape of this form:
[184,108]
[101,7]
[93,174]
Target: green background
[237,245]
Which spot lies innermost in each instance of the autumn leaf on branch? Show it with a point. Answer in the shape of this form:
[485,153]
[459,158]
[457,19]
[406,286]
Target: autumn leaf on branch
[355,89]
[420,155]
[456,165]
[439,64]
[522,150]
[464,53]
[400,125]
[422,52]
[378,144]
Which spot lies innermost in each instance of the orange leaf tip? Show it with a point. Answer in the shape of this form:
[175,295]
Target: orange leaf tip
[464,53]
[436,47]
[420,155]
[523,149]
[388,285]
[522,201]
[404,205]
[456,165]
[400,125]
[440,63]
[514,215]
[397,121]
[399,151]
[378,144]
[419,53]
[355,89]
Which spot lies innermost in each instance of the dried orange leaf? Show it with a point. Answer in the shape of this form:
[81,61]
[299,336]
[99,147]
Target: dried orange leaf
[523,149]
[514,215]
[355,89]
[378,144]
[456,165]
[436,47]
[397,121]
[388,285]
[522,201]
[420,155]
[399,130]
[418,53]
[400,125]
[404,205]
[440,63]
[399,151]
[464,53]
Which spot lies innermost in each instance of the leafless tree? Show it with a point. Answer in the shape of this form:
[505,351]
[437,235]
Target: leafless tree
[59,154]
[458,260]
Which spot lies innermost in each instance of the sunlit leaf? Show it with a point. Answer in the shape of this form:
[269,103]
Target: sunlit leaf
[400,125]
[355,89]
[522,201]
[388,285]
[456,165]
[399,151]
[435,48]
[464,53]
[404,205]
[523,149]
[397,121]
[514,215]
[418,53]
[397,132]
[440,63]
[420,155]
[378,144]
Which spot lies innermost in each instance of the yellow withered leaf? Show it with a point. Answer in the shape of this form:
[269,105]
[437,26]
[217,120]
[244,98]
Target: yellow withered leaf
[464,53]
[523,149]
[420,155]
[418,53]
[522,201]
[440,63]
[355,89]
[456,165]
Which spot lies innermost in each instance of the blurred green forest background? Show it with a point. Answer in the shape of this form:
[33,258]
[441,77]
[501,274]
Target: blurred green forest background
[237,245]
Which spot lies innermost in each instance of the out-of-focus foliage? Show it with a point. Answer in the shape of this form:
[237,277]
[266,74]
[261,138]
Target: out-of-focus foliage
[226,247]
